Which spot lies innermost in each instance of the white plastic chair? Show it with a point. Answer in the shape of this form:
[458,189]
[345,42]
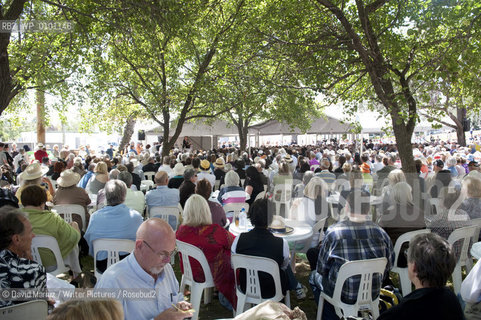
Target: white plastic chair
[49,242]
[253,265]
[113,248]
[187,250]
[465,234]
[164,213]
[282,196]
[316,228]
[149,175]
[364,268]
[146,185]
[216,185]
[476,222]
[403,272]
[68,210]
[32,310]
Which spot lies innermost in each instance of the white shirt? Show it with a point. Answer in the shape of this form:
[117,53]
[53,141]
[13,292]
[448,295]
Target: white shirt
[129,275]
[206,175]
[166,168]
[471,287]
[135,200]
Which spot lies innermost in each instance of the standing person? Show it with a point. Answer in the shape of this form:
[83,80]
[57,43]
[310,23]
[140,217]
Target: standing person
[186,143]
[431,262]
[148,268]
[110,151]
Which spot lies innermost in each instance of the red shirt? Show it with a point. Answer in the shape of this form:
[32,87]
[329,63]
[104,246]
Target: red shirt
[39,154]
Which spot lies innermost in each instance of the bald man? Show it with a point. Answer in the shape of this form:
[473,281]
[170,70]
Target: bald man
[162,196]
[148,270]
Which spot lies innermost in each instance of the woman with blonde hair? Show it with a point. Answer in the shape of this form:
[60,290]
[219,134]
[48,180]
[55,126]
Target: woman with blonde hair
[472,204]
[101,176]
[198,230]
[98,309]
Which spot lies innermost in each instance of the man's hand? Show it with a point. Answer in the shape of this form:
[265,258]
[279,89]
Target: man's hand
[174,314]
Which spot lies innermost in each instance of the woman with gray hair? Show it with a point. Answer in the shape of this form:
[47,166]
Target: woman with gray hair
[232,192]
[401,215]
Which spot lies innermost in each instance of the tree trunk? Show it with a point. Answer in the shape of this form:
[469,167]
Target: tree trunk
[403,142]
[461,115]
[128,132]
[242,136]
[40,98]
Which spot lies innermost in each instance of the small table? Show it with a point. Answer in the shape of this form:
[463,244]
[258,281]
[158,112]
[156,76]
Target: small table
[302,232]
[476,250]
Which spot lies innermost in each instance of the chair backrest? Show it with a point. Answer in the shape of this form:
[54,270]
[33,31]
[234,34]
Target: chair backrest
[465,234]
[282,192]
[187,250]
[146,185]
[68,210]
[318,227]
[32,310]
[406,237]
[113,248]
[476,222]
[149,175]
[216,185]
[366,269]
[49,242]
[253,265]
[338,185]
[164,213]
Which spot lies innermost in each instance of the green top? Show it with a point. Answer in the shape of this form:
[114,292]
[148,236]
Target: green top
[45,222]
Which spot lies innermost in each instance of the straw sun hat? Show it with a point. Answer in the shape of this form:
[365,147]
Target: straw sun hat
[68,178]
[33,171]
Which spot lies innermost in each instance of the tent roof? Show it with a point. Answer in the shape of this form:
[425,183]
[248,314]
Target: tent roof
[327,125]
[202,128]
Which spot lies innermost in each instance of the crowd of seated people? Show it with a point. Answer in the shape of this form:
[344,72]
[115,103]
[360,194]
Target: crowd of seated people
[446,173]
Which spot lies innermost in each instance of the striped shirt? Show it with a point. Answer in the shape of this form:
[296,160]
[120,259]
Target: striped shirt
[348,241]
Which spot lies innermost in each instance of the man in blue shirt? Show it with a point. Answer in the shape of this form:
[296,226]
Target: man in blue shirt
[115,221]
[148,270]
[162,196]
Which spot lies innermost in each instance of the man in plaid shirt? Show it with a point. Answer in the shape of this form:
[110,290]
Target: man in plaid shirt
[357,238]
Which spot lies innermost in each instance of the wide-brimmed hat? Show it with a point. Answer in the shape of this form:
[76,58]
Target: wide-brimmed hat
[205,165]
[68,178]
[288,158]
[40,145]
[179,169]
[219,163]
[33,171]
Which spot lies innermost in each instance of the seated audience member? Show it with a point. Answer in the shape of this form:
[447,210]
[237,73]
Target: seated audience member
[162,195]
[113,174]
[356,238]
[100,177]
[445,222]
[204,189]
[33,175]
[205,173]
[231,192]
[87,176]
[214,241]
[93,309]
[150,166]
[78,166]
[134,199]
[148,268]
[46,222]
[136,177]
[253,184]
[17,268]
[356,183]
[472,204]
[299,188]
[177,176]
[69,193]
[401,215]
[115,220]
[431,262]
[7,198]
[441,179]
[58,168]
[260,242]
[325,174]
[187,188]
[166,166]
[471,293]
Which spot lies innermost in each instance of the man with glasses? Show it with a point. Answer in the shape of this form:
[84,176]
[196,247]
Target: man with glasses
[148,270]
